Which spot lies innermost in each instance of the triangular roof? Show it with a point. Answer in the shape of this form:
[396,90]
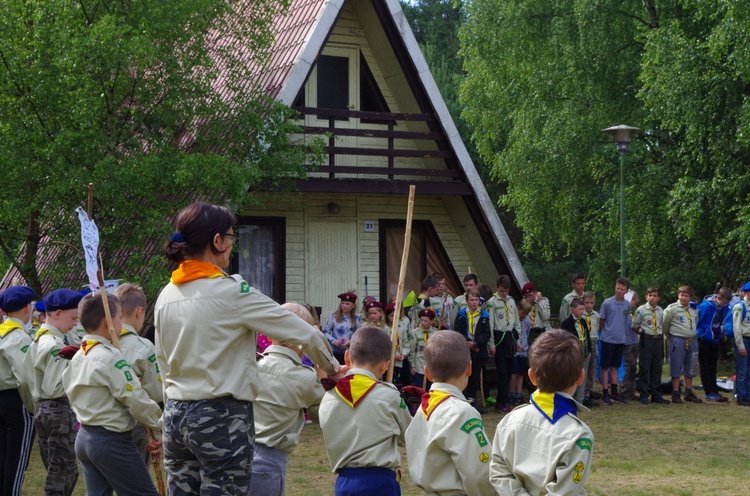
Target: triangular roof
[301,33]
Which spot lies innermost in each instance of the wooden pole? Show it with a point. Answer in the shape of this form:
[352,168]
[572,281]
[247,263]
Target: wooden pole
[401,282]
[113,334]
[156,465]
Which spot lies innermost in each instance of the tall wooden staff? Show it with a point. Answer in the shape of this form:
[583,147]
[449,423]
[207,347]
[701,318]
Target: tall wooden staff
[401,281]
[114,337]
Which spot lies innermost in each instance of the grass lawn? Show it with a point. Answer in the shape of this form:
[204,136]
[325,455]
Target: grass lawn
[638,450]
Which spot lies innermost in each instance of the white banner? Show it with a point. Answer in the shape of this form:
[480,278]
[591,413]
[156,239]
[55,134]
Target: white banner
[90,240]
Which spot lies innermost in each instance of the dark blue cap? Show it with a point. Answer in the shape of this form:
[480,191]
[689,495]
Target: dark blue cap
[746,287]
[39,306]
[62,299]
[15,298]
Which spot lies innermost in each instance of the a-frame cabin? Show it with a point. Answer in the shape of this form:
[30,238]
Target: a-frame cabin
[354,71]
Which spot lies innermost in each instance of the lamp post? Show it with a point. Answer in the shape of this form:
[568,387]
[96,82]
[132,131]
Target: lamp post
[622,135]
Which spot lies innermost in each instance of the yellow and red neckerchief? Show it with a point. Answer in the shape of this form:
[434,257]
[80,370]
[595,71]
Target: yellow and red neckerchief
[190,270]
[353,388]
[8,326]
[87,344]
[430,402]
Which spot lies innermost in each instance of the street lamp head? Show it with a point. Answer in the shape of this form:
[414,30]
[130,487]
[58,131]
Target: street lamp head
[622,135]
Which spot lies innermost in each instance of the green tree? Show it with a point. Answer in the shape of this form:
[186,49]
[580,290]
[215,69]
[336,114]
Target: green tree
[543,79]
[152,101]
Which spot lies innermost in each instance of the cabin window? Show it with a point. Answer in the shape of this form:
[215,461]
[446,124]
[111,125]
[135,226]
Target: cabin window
[426,256]
[261,253]
[371,99]
[333,82]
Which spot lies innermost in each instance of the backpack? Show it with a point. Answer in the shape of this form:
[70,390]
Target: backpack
[728,325]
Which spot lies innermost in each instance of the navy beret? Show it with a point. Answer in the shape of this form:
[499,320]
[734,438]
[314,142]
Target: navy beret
[15,298]
[39,306]
[746,287]
[62,299]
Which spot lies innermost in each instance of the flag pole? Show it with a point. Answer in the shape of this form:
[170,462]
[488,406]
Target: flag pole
[401,281]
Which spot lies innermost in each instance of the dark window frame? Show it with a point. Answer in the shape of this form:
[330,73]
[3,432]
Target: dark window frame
[278,224]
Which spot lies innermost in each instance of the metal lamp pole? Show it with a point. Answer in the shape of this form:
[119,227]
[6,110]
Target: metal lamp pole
[622,136]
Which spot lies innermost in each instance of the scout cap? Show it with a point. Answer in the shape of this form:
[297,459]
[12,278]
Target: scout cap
[427,312]
[62,299]
[350,297]
[373,304]
[390,308]
[528,288]
[746,287]
[15,298]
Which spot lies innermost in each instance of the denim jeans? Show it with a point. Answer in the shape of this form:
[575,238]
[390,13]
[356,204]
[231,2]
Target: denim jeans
[742,369]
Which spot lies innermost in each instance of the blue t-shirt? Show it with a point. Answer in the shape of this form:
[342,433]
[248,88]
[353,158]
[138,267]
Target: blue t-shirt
[617,321]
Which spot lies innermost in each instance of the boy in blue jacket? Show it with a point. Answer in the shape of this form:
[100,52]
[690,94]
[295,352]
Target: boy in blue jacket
[474,324]
[711,313]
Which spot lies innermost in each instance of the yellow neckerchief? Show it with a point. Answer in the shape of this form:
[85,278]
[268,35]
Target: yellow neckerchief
[553,406]
[533,314]
[7,326]
[588,321]
[87,344]
[41,332]
[687,311]
[582,336]
[353,388]
[425,333]
[190,270]
[430,402]
[471,316]
[653,316]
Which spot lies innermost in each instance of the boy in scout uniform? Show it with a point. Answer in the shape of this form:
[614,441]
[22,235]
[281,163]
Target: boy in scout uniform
[442,303]
[288,387]
[446,445]
[471,281]
[649,322]
[506,327]
[741,326]
[139,352]
[54,420]
[16,421]
[680,324]
[109,402]
[420,337]
[364,420]
[543,447]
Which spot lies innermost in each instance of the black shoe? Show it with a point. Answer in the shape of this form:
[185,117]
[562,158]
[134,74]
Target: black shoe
[692,398]
[660,400]
[595,396]
[644,400]
[607,400]
[676,398]
[589,403]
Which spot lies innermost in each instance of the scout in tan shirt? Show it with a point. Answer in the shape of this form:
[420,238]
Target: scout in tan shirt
[543,447]
[109,402]
[446,445]
[364,420]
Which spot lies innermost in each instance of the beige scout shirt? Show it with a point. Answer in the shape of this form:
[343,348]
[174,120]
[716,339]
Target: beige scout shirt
[419,341]
[532,456]
[540,313]
[14,344]
[741,326]
[649,320]
[449,452]
[45,365]
[459,302]
[405,338]
[680,321]
[104,391]
[206,334]
[592,319]
[141,355]
[367,435]
[287,386]
[503,316]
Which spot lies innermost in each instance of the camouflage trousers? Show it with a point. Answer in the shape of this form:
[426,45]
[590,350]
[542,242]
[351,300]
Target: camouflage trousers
[630,359]
[55,425]
[208,446]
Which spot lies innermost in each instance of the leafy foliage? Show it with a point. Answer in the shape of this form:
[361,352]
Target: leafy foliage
[152,101]
[543,78]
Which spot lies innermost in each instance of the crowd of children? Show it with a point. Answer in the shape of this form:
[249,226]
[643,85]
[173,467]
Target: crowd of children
[102,406]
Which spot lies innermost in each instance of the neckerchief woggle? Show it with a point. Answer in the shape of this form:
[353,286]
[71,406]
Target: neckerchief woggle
[553,406]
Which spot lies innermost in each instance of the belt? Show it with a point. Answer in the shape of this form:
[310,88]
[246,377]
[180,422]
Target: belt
[652,336]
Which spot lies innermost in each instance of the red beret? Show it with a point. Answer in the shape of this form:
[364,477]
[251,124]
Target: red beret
[528,288]
[350,297]
[390,308]
[373,304]
[427,312]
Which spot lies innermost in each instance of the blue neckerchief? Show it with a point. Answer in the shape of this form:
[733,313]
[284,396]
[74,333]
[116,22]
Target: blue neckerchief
[553,406]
